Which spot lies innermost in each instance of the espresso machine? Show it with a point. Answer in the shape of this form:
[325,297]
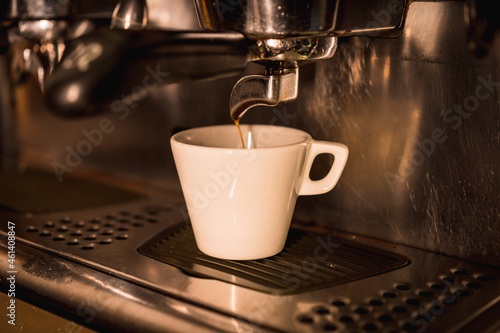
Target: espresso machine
[95,234]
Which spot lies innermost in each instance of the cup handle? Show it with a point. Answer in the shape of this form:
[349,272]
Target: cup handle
[339,151]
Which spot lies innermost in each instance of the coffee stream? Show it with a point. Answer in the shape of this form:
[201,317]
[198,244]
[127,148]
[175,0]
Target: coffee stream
[237,123]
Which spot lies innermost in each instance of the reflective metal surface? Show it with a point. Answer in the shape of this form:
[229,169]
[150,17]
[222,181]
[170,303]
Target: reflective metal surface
[130,14]
[383,98]
[279,82]
[278,18]
[423,170]
[268,19]
[115,304]
[132,292]
[267,89]
[420,116]
[37,48]
[292,49]
[37,9]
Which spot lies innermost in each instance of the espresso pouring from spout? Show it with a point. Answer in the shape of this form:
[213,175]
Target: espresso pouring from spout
[279,34]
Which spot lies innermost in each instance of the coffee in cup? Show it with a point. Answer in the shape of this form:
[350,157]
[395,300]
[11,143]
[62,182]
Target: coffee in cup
[241,200]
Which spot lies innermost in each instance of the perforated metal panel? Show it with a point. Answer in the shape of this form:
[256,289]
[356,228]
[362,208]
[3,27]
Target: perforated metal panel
[403,306]
[363,285]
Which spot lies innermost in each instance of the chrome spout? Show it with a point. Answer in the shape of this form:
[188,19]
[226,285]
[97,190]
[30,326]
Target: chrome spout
[279,83]
[270,89]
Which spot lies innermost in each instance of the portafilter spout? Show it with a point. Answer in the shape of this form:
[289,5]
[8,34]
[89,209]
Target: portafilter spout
[275,86]
[92,70]
[280,80]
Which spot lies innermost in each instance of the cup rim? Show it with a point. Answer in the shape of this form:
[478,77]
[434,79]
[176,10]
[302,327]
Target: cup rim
[175,138]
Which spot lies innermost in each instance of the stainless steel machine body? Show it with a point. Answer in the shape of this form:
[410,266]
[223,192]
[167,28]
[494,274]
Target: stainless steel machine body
[418,111]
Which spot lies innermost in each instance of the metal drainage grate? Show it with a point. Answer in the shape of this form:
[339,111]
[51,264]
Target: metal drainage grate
[100,230]
[401,308]
[317,261]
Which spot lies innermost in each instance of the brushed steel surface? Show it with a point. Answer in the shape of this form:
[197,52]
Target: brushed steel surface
[421,118]
[115,304]
[37,9]
[423,169]
[278,19]
[268,19]
[130,14]
[136,292]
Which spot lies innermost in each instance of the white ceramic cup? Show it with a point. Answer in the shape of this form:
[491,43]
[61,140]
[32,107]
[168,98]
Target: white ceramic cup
[240,201]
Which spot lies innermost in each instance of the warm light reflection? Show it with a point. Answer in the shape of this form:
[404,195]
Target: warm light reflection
[386,72]
[267,10]
[73,92]
[249,140]
[273,42]
[128,19]
[425,34]
[233,187]
[411,139]
[387,69]
[26,54]
[45,24]
[233,299]
[115,291]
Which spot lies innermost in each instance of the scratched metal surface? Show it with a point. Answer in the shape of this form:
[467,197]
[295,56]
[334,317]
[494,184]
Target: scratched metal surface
[422,121]
[421,171]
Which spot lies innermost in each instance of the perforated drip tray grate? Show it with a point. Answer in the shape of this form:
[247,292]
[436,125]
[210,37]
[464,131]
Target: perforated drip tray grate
[89,233]
[403,307]
[315,273]
[319,261]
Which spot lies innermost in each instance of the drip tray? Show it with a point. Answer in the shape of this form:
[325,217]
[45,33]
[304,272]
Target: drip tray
[309,261]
